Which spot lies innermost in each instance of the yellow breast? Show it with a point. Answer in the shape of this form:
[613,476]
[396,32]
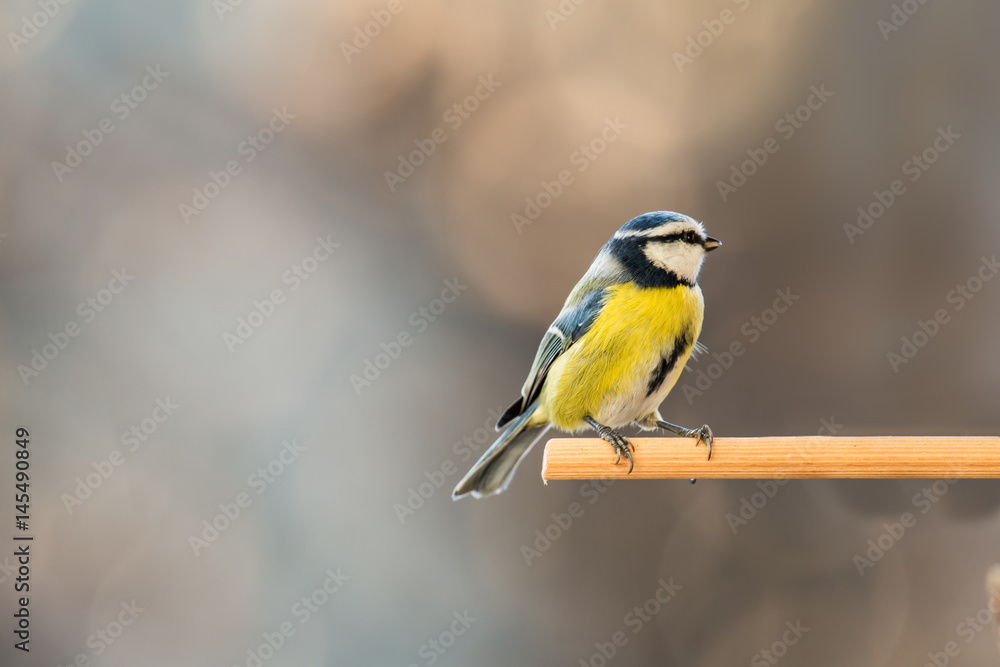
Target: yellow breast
[611,363]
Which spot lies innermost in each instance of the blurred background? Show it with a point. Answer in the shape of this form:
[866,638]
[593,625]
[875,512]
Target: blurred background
[269,270]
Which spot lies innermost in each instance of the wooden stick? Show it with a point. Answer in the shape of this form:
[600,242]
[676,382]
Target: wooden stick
[795,457]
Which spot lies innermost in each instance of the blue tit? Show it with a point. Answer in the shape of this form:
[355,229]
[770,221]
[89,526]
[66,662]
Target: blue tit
[614,352]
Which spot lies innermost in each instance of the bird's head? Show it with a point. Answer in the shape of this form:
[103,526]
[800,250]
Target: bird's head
[662,247]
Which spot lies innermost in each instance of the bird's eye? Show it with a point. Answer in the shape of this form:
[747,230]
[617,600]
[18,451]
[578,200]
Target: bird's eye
[689,237]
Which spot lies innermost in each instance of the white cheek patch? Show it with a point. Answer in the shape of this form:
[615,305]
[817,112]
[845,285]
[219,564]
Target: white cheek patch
[684,259]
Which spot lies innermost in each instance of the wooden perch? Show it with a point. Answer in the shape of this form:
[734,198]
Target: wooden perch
[790,457]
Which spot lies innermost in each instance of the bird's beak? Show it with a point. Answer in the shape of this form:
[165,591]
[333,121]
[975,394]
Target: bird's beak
[711,244]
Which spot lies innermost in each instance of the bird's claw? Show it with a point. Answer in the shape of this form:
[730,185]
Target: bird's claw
[619,443]
[704,434]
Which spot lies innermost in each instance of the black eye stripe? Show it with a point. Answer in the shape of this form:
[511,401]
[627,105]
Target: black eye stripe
[667,238]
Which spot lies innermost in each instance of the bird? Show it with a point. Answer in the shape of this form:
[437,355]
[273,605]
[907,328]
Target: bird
[615,350]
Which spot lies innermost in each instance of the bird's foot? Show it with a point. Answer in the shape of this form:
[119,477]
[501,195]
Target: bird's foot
[621,444]
[704,434]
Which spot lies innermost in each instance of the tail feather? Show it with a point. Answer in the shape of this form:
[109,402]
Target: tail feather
[511,413]
[494,470]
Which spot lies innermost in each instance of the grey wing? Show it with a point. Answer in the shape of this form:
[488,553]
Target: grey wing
[573,322]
